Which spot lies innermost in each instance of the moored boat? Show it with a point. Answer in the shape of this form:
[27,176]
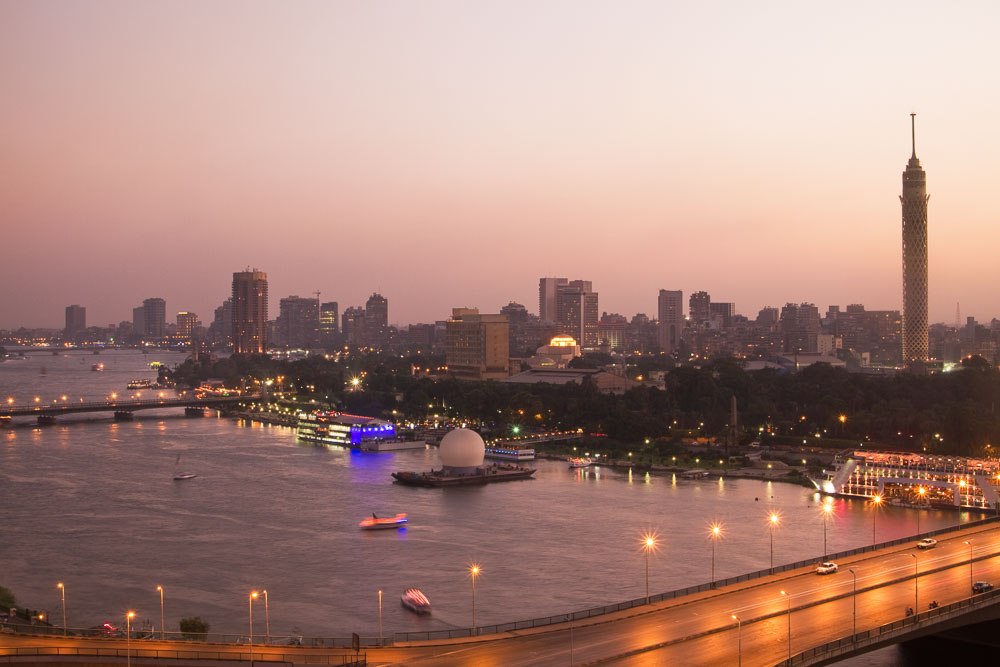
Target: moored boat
[580,463]
[415,601]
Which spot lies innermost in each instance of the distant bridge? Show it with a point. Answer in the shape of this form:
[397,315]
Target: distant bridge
[539,438]
[47,413]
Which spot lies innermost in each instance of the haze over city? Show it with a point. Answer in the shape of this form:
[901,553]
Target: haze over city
[448,154]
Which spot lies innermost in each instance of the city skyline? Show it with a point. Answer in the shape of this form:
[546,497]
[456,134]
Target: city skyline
[748,153]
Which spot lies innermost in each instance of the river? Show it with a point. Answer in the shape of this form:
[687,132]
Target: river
[92,503]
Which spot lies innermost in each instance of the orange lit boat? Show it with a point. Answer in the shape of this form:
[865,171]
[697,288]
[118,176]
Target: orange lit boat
[375,523]
[415,601]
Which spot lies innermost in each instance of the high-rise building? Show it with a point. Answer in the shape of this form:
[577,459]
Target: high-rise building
[700,308]
[76,321]
[222,326]
[914,202]
[477,346]
[547,288]
[186,323]
[249,312]
[298,322]
[800,327]
[155,315]
[329,324]
[577,312]
[352,325]
[139,321]
[671,317]
[376,321]
[517,316]
[611,332]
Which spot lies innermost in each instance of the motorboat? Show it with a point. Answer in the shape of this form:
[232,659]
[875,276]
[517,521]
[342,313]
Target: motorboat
[580,463]
[97,367]
[375,523]
[415,601]
[184,475]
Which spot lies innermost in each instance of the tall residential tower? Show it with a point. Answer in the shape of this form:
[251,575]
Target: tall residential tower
[914,201]
[249,312]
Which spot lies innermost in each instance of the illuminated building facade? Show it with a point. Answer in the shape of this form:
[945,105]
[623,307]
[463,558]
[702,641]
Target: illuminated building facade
[914,202]
[249,312]
[329,323]
[186,323]
[477,346]
[670,307]
[577,312]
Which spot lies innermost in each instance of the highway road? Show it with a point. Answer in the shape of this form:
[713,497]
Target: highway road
[823,609]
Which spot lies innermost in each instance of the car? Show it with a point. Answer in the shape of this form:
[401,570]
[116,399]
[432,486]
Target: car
[926,543]
[826,568]
[981,587]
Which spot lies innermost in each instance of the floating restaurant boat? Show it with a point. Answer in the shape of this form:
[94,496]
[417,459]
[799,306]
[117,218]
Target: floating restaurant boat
[415,601]
[915,480]
[375,523]
[509,452]
[355,431]
[139,384]
[580,463]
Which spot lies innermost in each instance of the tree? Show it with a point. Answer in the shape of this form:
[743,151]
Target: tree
[7,599]
[194,627]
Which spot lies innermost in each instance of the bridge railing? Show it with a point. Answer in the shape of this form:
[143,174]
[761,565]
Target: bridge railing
[344,659]
[875,635]
[671,595]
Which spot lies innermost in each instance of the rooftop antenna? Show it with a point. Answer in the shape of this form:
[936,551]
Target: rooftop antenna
[317,296]
[913,132]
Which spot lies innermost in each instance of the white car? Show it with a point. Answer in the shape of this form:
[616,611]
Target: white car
[826,568]
[926,543]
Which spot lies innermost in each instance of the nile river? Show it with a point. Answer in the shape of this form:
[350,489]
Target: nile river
[92,503]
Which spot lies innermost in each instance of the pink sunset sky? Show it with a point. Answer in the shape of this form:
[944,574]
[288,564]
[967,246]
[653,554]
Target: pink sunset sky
[451,153]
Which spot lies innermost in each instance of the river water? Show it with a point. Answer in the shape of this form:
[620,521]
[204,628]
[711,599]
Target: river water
[92,503]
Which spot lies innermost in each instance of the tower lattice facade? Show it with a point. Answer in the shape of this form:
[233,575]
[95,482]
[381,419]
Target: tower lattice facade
[914,201]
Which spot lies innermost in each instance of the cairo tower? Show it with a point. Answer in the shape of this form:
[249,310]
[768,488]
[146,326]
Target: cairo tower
[914,201]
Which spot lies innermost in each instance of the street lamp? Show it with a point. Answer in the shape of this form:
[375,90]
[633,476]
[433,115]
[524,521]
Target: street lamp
[160,588]
[739,640]
[876,502]
[827,510]
[715,533]
[854,600]
[788,597]
[969,543]
[772,521]
[916,578]
[267,619]
[62,591]
[648,544]
[380,617]
[923,492]
[128,638]
[253,596]
[474,571]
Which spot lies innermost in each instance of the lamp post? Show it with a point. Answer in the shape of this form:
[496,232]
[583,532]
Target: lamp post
[128,638]
[916,578]
[969,543]
[648,544]
[267,618]
[715,533]
[827,509]
[62,591]
[876,502]
[474,571]
[380,617]
[772,521]
[923,492]
[253,596]
[789,599]
[854,600]
[739,640]
[160,588]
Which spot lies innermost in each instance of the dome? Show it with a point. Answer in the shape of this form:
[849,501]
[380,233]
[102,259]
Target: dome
[462,448]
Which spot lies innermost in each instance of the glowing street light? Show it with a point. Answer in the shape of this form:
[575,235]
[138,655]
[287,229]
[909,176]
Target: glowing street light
[916,578]
[128,638]
[969,544]
[789,599]
[714,533]
[739,640]
[267,619]
[62,591]
[827,510]
[648,544]
[380,617]
[253,596]
[772,521]
[923,492]
[160,588]
[474,571]
[876,502]
[854,600]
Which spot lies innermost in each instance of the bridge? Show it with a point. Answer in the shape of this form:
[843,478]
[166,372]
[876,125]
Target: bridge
[46,413]
[785,616]
[537,438]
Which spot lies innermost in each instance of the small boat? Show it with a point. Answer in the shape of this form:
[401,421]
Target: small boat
[97,367]
[580,463]
[375,523]
[415,601]
[184,475]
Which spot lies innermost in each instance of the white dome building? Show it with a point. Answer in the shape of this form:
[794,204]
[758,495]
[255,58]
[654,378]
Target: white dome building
[462,450]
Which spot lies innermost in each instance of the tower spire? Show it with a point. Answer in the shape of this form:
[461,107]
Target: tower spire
[913,132]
